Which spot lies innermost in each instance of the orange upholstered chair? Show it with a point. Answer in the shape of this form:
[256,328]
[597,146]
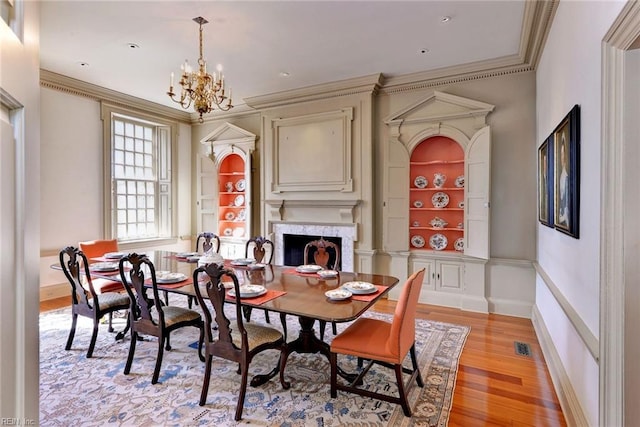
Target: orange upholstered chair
[96,249]
[383,343]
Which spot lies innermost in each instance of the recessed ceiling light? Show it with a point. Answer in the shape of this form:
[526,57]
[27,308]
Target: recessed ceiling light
[284,74]
[424,50]
[445,19]
[133,46]
[83,64]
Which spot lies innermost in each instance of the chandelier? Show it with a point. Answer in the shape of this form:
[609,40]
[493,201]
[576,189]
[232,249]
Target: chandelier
[204,91]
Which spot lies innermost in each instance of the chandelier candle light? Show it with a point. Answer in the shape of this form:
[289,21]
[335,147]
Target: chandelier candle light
[205,91]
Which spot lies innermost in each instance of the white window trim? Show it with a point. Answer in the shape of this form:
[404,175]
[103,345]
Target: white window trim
[108,111]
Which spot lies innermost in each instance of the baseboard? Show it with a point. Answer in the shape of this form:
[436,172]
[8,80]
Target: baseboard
[54,291]
[509,307]
[573,413]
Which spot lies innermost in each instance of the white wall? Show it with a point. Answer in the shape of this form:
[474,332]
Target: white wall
[19,358]
[570,73]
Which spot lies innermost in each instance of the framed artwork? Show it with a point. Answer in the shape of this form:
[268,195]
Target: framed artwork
[566,165]
[545,182]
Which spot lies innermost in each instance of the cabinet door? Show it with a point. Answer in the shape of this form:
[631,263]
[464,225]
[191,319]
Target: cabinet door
[477,171]
[207,198]
[396,198]
[449,275]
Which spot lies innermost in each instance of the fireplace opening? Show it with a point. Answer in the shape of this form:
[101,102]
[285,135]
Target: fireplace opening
[294,249]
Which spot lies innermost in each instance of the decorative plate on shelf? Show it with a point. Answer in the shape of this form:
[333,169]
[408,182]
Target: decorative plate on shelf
[228,231]
[461,205]
[417,204]
[229,186]
[417,241]
[239,200]
[440,199]
[241,215]
[229,216]
[438,223]
[460,225]
[460,181]
[459,244]
[241,185]
[238,232]
[420,181]
[438,241]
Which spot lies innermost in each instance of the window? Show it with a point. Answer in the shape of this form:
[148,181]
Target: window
[140,179]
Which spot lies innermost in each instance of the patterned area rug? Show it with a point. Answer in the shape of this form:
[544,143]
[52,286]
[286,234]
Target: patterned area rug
[75,390]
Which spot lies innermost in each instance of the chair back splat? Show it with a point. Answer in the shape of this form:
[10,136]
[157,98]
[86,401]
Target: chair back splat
[260,249]
[323,253]
[233,340]
[149,316]
[210,241]
[384,343]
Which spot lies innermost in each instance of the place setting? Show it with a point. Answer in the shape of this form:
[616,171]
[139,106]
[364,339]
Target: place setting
[104,266]
[168,279]
[258,294]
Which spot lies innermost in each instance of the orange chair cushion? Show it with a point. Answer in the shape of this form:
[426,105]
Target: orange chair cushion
[366,338]
[102,286]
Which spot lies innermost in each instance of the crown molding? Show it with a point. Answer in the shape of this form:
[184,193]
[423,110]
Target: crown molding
[365,84]
[536,23]
[76,87]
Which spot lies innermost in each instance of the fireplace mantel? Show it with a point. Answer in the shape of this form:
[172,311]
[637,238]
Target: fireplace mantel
[278,207]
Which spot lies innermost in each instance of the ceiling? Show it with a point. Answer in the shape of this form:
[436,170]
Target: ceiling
[257,42]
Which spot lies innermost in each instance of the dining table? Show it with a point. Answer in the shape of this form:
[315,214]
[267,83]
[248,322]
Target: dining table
[288,292]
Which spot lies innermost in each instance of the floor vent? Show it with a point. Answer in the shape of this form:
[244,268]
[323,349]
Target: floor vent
[522,349]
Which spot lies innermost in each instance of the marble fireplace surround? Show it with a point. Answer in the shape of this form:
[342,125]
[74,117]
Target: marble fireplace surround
[347,232]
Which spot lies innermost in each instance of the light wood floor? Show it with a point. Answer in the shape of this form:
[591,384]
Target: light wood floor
[495,386]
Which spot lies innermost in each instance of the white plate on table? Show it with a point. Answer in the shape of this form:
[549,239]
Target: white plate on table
[169,277]
[186,254]
[327,274]
[243,261]
[114,255]
[338,294]
[249,291]
[308,268]
[360,288]
[104,266]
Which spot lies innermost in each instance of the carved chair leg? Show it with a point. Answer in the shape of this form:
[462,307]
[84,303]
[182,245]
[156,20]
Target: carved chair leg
[243,391]
[132,350]
[94,335]
[207,377]
[110,321]
[156,371]
[72,332]
[333,359]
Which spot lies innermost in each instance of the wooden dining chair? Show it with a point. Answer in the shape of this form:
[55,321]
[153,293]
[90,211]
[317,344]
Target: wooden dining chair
[232,339]
[261,249]
[209,241]
[95,249]
[149,316]
[85,300]
[327,255]
[383,343]
[323,253]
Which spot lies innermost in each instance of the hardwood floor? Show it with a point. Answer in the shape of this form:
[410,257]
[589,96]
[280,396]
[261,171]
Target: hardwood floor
[495,386]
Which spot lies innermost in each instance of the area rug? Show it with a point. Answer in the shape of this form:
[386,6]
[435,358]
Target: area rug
[75,390]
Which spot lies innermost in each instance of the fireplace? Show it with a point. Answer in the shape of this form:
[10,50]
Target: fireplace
[290,239]
[294,249]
